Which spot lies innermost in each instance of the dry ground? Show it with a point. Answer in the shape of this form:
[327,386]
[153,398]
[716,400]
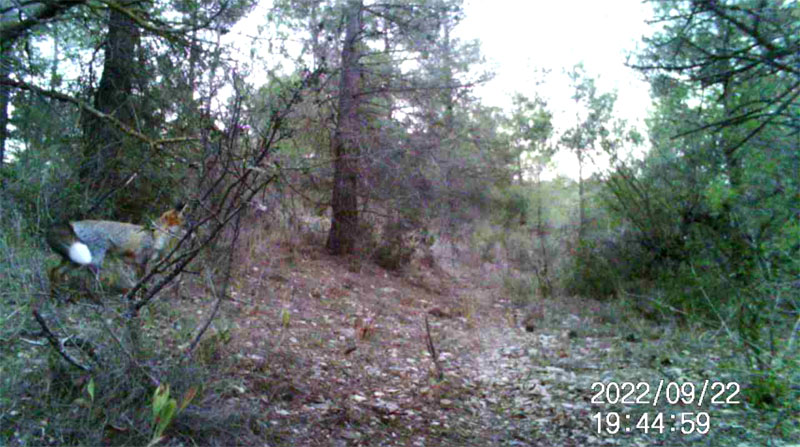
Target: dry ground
[332,352]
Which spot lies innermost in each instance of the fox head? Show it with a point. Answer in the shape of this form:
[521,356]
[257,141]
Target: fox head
[171,218]
[169,228]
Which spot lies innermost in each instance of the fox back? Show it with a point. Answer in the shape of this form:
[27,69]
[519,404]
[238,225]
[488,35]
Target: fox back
[135,244]
[132,242]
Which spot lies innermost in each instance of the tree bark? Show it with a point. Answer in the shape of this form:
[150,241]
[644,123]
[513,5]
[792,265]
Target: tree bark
[5,98]
[345,144]
[104,142]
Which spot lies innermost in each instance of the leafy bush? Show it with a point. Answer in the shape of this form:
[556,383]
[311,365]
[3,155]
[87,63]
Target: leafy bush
[591,274]
[400,241]
[521,290]
[485,240]
[767,390]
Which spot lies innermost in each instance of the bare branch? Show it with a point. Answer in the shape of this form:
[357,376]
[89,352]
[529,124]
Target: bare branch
[207,324]
[83,105]
[56,343]
[432,350]
[9,32]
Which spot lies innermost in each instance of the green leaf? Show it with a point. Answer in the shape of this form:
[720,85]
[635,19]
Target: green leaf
[160,399]
[165,417]
[285,317]
[90,389]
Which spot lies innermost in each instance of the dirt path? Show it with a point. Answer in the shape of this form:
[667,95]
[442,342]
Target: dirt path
[330,356]
[323,353]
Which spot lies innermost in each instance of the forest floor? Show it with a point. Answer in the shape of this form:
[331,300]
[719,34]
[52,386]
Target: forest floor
[323,352]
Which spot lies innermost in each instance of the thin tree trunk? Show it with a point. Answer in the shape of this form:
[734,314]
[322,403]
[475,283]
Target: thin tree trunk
[54,78]
[345,145]
[581,200]
[545,287]
[5,98]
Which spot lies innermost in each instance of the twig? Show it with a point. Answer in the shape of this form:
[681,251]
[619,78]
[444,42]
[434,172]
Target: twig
[793,336]
[432,350]
[84,106]
[658,302]
[153,380]
[221,293]
[110,192]
[207,324]
[713,308]
[56,344]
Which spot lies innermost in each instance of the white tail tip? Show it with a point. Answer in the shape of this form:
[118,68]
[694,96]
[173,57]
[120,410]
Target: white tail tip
[79,253]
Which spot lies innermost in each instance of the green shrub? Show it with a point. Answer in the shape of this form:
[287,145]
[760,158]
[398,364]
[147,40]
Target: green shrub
[591,274]
[484,239]
[521,290]
[767,390]
[400,241]
[393,256]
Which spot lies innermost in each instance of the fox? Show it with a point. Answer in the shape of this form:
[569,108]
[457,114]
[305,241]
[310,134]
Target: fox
[85,243]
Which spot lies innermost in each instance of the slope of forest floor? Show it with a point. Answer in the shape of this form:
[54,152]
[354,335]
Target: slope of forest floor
[323,352]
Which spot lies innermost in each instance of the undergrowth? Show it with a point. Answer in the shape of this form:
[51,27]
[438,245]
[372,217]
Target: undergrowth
[45,400]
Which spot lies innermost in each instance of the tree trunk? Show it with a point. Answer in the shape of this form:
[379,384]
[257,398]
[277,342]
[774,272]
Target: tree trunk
[581,200]
[102,153]
[345,144]
[543,272]
[5,97]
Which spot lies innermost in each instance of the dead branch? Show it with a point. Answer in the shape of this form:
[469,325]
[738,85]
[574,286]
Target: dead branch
[84,106]
[207,324]
[57,344]
[432,350]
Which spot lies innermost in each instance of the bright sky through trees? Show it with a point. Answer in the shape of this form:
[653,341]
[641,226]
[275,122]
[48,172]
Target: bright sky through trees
[519,36]
[518,39]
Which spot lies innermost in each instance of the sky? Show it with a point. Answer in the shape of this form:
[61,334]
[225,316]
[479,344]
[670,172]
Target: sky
[518,37]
